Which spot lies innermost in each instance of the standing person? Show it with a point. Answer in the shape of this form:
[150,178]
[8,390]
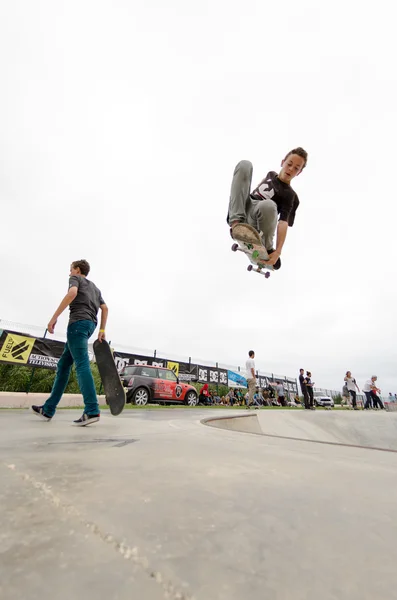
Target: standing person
[281,393]
[309,386]
[351,385]
[346,398]
[376,400]
[255,216]
[84,300]
[369,386]
[251,377]
[302,382]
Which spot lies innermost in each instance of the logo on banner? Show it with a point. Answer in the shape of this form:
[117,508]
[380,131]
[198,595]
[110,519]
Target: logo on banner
[16,348]
[214,377]
[203,375]
[223,378]
[174,366]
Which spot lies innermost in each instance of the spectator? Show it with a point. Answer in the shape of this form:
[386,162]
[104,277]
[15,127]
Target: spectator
[376,400]
[351,385]
[367,389]
[303,385]
[217,399]
[251,377]
[256,399]
[309,386]
[346,398]
[261,398]
[204,395]
[239,396]
[281,393]
[230,397]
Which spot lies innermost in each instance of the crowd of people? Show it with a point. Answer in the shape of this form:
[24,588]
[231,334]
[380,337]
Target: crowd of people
[275,395]
[270,396]
[373,401]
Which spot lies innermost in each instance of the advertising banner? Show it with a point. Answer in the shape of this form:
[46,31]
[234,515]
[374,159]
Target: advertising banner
[235,380]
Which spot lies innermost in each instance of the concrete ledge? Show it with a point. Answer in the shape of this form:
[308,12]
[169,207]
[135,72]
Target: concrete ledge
[243,423]
[22,400]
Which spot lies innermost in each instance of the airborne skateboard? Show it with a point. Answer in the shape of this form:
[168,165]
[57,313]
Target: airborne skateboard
[256,257]
[114,390]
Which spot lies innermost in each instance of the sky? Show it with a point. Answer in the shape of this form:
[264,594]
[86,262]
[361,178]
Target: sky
[120,126]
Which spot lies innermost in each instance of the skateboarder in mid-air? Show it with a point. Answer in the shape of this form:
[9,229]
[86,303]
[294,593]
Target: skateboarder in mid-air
[253,216]
[84,299]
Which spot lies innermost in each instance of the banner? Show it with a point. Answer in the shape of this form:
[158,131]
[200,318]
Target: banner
[212,375]
[17,348]
[123,360]
[188,372]
[235,380]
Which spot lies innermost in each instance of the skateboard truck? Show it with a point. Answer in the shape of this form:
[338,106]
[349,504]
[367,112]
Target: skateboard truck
[254,257]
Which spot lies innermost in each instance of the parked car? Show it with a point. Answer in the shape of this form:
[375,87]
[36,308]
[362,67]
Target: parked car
[322,399]
[156,384]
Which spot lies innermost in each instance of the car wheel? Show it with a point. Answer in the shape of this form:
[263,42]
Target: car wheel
[191,398]
[141,396]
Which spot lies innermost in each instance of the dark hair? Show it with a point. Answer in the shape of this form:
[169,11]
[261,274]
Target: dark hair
[302,370]
[251,353]
[347,373]
[83,265]
[300,152]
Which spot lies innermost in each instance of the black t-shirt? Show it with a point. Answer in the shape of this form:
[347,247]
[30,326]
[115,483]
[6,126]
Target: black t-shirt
[87,302]
[281,193]
[302,381]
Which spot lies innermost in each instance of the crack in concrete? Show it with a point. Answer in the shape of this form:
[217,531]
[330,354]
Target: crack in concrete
[171,592]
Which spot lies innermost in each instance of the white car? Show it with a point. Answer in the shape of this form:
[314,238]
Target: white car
[322,399]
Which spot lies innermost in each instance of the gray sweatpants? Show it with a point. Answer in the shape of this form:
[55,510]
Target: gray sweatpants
[261,214]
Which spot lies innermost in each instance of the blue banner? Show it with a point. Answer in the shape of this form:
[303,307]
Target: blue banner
[235,380]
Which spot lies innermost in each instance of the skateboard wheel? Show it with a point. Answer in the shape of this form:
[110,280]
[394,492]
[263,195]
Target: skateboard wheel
[249,268]
[267,275]
[235,247]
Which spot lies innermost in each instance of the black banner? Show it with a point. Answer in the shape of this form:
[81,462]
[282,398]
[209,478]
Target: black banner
[22,349]
[19,349]
[188,372]
[123,359]
[212,375]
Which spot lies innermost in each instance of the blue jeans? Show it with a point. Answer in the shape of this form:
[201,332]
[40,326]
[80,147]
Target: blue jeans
[75,351]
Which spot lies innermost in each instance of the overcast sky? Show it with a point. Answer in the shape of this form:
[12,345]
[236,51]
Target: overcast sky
[120,125]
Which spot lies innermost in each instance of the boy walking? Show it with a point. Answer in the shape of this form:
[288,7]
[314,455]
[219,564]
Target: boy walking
[84,300]
[251,377]
[253,216]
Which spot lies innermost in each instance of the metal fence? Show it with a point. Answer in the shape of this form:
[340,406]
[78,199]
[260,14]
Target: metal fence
[41,332]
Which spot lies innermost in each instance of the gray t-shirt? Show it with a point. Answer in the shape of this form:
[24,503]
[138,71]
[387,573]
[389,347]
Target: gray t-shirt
[87,302]
[280,389]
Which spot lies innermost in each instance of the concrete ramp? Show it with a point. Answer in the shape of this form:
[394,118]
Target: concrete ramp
[244,423]
[376,430]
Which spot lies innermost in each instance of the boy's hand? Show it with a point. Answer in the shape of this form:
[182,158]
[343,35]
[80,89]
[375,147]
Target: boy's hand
[51,325]
[101,335]
[274,256]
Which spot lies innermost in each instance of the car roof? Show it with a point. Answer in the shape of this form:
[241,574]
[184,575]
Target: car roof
[150,367]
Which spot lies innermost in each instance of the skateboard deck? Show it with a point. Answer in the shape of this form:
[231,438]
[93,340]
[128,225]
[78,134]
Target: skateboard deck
[255,257]
[114,390]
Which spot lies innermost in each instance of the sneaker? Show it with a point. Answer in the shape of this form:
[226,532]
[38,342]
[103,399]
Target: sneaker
[245,233]
[39,412]
[277,264]
[86,420]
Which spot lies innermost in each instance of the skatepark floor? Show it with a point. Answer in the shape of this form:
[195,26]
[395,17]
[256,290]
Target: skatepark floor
[158,504]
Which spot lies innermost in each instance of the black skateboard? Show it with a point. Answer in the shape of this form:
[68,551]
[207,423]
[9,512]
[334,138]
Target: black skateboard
[114,390]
